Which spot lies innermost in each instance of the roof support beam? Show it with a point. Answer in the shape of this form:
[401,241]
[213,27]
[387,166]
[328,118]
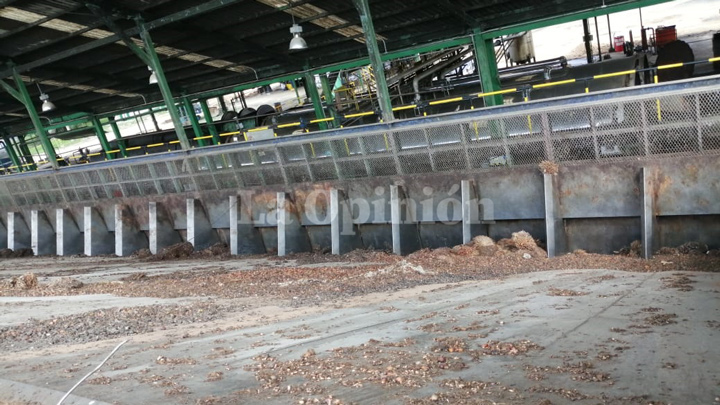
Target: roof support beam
[154,63]
[470,21]
[487,68]
[22,95]
[376,62]
[569,17]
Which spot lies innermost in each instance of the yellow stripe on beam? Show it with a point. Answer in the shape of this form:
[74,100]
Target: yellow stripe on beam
[171,142]
[94,154]
[715,59]
[405,107]
[321,120]
[134,148]
[362,114]
[292,124]
[623,73]
[113,151]
[449,100]
[495,93]
[258,129]
[230,133]
[154,145]
[539,86]
[670,66]
[202,137]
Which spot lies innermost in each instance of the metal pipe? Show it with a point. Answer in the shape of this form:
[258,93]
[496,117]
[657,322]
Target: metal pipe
[597,35]
[587,39]
[433,70]
[610,38]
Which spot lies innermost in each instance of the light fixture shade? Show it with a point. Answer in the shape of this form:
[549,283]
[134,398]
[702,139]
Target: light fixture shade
[153,78]
[297,43]
[47,105]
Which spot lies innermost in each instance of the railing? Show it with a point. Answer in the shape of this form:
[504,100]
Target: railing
[419,109]
[647,123]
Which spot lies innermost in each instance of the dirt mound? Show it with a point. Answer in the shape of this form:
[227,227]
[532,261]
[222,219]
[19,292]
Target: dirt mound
[667,251]
[693,248]
[217,250]
[484,245]
[174,252]
[9,253]
[67,283]
[549,167]
[142,253]
[522,243]
[27,281]
[634,250]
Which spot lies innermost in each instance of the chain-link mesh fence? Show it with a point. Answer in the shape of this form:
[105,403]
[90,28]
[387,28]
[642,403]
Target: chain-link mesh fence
[648,127]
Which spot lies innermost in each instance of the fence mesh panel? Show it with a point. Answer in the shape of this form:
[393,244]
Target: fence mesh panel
[648,127]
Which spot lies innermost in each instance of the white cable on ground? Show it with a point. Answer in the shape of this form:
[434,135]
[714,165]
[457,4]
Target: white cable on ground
[91,373]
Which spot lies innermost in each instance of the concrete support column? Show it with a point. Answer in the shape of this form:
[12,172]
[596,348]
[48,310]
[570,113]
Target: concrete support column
[344,235]
[291,236]
[405,235]
[647,216]
[42,234]
[128,237]
[199,230]
[3,236]
[162,228]
[553,220]
[97,237]
[18,233]
[69,239]
[471,222]
[245,238]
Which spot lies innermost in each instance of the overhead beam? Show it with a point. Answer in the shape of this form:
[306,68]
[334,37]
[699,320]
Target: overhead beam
[470,21]
[160,22]
[570,17]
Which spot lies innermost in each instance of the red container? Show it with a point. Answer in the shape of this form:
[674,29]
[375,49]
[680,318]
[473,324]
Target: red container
[620,44]
[665,35]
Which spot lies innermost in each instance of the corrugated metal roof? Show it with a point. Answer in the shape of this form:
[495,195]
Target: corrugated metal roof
[221,46]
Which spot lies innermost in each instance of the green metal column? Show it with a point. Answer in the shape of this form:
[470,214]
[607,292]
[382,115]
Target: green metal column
[118,137]
[35,118]
[26,155]
[383,93]
[100,131]
[190,111]
[329,98]
[311,91]
[487,68]
[153,61]
[297,93]
[209,122]
[11,152]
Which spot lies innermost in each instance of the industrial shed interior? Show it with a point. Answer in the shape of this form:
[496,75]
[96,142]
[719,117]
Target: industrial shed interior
[288,176]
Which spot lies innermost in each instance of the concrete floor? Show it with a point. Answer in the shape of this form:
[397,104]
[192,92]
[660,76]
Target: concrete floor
[675,362]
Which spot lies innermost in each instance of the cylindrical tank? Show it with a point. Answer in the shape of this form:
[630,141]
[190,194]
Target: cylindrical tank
[665,35]
[522,49]
[619,43]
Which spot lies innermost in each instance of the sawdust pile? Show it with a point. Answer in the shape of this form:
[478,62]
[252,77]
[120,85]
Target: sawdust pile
[174,252]
[9,253]
[549,167]
[27,281]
